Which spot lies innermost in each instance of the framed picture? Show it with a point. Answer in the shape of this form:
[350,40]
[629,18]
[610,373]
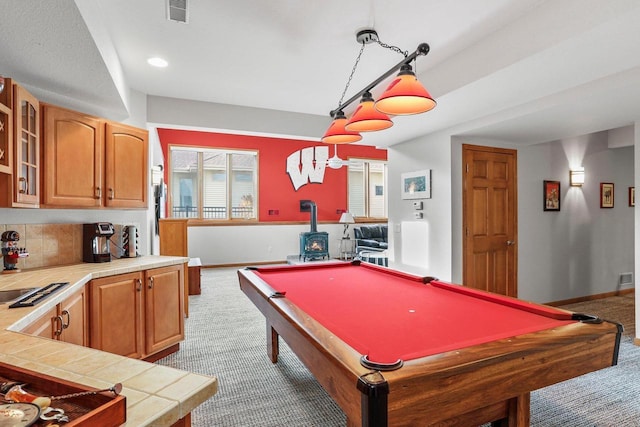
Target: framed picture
[551,195]
[632,196]
[606,194]
[416,185]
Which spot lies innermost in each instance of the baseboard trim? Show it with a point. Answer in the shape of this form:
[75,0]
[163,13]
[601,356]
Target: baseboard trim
[244,264]
[592,297]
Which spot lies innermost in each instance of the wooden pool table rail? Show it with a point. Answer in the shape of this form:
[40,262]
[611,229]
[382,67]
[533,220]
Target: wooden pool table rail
[472,385]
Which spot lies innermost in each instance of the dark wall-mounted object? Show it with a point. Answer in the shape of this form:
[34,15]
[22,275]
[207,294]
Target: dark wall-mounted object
[305,205]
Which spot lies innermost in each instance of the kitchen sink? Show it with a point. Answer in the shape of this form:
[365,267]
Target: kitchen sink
[13,294]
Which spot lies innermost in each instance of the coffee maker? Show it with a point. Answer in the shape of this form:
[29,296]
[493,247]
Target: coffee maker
[95,242]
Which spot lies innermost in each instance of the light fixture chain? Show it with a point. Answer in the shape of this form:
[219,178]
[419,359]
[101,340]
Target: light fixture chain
[353,70]
[393,48]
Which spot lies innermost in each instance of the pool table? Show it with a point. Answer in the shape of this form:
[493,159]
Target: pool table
[402,350]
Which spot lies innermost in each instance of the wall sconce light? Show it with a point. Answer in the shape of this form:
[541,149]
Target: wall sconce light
[405,95]
[346,218]
[576,177]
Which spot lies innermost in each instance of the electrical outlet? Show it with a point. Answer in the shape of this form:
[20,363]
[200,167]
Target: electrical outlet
[417,205]
[417,215]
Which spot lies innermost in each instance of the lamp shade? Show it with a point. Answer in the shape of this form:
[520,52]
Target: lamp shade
[366,118]
[346,218]
[405,95]
[337,134]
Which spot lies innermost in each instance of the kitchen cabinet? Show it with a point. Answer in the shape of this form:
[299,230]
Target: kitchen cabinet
[67,321]
[127,171]
[174,242]
[6,128]
[138,314]
[22,187]
[114,159]
[115,313]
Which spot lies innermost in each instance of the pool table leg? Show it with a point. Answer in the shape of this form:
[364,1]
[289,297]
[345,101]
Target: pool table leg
[273,343]
[519,409]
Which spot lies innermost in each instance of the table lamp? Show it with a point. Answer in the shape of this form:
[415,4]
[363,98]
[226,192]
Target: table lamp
[346,218]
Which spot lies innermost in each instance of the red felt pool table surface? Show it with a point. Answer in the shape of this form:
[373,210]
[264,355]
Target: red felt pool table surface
[441,353]
[393,316]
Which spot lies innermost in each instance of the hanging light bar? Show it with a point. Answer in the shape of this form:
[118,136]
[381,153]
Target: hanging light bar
[405,95]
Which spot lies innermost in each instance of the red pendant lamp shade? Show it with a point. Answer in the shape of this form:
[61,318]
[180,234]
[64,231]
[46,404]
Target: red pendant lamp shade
[337,134]
[405,95]
[366,118]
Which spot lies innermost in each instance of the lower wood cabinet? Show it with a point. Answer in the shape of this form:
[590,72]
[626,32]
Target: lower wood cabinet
[138,314]
[67,321]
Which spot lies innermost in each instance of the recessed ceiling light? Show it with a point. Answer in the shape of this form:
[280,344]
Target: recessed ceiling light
[157,62]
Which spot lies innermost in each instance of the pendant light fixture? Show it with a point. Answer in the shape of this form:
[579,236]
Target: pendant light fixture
[367,118]
[337,134]
[405,95]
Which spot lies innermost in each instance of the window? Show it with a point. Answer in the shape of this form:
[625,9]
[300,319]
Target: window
[213,184]
[367,188]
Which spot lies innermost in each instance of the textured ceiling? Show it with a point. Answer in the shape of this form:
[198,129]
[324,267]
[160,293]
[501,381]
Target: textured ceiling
[523,71]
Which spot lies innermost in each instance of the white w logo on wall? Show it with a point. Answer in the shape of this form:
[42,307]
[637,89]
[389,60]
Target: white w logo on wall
[302,168]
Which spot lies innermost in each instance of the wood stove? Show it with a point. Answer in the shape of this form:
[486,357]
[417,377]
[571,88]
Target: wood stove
[314,244]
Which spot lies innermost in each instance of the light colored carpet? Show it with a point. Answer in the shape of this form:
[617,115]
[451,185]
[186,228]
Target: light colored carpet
[226,337]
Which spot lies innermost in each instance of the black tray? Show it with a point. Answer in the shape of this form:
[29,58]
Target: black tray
[33,298]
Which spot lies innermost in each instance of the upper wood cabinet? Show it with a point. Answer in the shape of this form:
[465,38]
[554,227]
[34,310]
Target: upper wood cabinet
[90,162]
[6,128]
[22,187]
[127,171]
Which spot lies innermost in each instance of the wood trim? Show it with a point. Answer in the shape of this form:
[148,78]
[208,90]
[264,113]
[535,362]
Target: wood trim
[239,223]
[591,297]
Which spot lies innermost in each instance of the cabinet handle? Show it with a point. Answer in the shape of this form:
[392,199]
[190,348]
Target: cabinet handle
[139,285]
[98,192]
[65,313]
[150,282]
[23,185]
[58,330]
[111,194]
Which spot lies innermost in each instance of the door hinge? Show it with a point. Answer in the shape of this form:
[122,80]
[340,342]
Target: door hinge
[467,168]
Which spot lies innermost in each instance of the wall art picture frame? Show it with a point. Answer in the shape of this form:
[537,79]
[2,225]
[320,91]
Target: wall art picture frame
[632,196]
[416,185]
[606,195]
[552,195]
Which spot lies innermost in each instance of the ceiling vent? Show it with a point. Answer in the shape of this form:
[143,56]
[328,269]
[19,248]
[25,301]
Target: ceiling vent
[177,11]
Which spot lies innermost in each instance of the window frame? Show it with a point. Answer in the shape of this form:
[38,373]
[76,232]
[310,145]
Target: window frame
[367,190]
[200,150]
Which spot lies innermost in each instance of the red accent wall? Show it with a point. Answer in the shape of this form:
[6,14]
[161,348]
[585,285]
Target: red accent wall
[276,192]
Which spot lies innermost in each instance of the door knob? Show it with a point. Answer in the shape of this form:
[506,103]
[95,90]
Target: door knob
[510,242]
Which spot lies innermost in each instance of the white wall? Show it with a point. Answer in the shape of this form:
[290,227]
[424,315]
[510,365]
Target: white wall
[582,249]
[421,246]
[576,252]
[246,244]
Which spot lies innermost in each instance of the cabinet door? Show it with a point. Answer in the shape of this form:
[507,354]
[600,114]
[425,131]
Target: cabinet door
[45,326]
[73,312]
[6,129]
[27,148]
[73,158]
[127,172]
[164,312]
[115,307]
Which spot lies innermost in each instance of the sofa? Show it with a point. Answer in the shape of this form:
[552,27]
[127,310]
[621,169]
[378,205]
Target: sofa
[371,237]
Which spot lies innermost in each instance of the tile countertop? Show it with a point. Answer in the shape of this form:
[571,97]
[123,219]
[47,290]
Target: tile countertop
[156,395]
